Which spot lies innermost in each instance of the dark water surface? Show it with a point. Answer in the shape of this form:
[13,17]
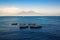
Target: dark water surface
[50,28]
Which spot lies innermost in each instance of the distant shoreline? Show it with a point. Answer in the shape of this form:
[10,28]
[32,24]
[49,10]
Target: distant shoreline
[13,16]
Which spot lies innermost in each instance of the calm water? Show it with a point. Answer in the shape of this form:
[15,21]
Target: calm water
[50,28]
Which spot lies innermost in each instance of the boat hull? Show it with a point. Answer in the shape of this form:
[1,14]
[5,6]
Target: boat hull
[23,27]
[14,24]
[36,27]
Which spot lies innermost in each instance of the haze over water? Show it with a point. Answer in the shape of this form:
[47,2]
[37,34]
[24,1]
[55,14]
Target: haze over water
[29,7]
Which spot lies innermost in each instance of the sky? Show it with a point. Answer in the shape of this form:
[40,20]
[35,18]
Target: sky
[29,7]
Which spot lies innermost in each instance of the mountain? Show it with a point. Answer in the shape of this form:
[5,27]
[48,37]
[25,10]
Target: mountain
[29,13]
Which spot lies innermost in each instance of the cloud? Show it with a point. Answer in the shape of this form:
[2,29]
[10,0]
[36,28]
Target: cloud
[14,11]
[8,10]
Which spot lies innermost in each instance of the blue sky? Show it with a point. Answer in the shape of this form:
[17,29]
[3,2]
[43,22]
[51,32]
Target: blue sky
[44,6]
[30,2]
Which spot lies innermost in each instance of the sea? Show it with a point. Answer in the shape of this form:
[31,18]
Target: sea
[50,28]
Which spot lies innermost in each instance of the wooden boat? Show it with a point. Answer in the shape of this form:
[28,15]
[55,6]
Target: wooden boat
[34,26]
[14,24]
[22,25]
